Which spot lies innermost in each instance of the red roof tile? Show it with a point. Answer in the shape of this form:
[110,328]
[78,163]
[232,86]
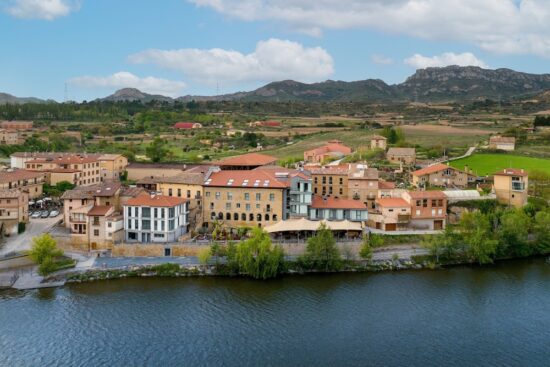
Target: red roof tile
[99,210]
[511,172]
[184,125]
[392,202]
[333,203]
[258,178]
[18,174]
[250,159]
[432,169]
[385,185]
[155,200]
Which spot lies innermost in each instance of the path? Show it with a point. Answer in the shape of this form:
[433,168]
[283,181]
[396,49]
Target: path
[468,153]
[23,241]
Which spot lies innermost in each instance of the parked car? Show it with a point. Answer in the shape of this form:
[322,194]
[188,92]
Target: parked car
[36,214]
[54,213]
[45,214]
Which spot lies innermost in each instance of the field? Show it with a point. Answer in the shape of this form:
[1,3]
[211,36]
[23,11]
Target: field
[486,164]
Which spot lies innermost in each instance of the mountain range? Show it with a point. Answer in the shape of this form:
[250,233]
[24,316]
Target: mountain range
[445,84]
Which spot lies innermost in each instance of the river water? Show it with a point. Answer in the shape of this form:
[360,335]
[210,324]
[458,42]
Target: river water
[464,316]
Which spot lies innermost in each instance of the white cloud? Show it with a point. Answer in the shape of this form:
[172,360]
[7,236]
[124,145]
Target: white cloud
[500,26]
[273,59]
[125,79]
[448,58]
[381,59]
[40,9]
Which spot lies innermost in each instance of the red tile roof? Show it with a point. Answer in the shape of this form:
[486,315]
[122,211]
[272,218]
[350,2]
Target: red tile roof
[385,185]
[99,210]
[155,201]
[333,203]
[258,178]
[250,159]
[184,125]
[269,123]
[511,172]
[432,169]
[18,174]
[392,202]
[331,146]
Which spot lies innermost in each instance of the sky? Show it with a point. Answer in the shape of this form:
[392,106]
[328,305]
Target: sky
[85,49]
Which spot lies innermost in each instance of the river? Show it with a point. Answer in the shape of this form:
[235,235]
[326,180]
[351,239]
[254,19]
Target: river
[464,316]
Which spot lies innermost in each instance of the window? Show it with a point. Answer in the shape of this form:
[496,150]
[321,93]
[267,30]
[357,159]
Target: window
[274,217]
[268,208]
[243,216]
[158,235]
[146,212]
[169,192]
[417,211]
[218,195]
[136,224]
[179,193]
[272,197]
[258,196]
[156,213]
[341,191]
[129,224]
[207,194]
[213,215]
[315,180]
[146,224]
[425,203]
[229,196]
[247,207]
[132,235]
[259,217]
[418,203]
[433,211]
[109,224]
[235,216]
[267,217]
[390,210]
[257,206]
[238,205]
[434,202]
[96,232]
[315,191]
[227,206]
[341,180]
[171,225]
[211,205]
[171,212]
[162,225]
[251,217]
[188,194]
[246,196]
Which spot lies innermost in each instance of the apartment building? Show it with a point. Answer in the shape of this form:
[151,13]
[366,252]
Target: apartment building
[153,218]
[428,209]
[9,137]
[26,181]
[363,184]
[337,209]
[247,198]
[81,170]
[406,156]
[331,181]
[14,206]
[442,175]
[392,214]
[511,187]
[95,227]
[112,166]
[334,149]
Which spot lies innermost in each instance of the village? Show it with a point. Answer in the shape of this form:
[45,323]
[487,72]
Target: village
[109,207]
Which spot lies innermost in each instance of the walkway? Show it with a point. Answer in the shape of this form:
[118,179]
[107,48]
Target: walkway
[121,262]
[23,241]
[29,279]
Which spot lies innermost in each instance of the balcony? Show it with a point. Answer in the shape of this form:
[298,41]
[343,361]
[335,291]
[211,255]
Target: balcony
[518,186]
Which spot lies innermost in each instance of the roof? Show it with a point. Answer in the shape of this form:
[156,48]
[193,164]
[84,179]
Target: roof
[364,174]
[189,178]
[378,137]
[175,166]
[106,189]
[433,169]
[62,170]
[9,193]
[511,172]
[303,224]
[152,200]
[258,178]
[502,139]
[109,157]
[462,194]
[385,185]
[333,203]
[431,194]
[269,123]
[49,154]
[66,159]
[131,191]
[184,125]
[99,210]
[392,202]
[401,151]
[18,174]
[333,146]
[250,159]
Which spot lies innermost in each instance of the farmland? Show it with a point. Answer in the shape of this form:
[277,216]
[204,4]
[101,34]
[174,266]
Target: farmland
[486,164]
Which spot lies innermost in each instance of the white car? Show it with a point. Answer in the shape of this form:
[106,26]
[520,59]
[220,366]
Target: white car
[54,213]
[36,214]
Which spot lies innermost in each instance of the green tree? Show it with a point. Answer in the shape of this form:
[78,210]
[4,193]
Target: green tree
[321,251]
[204,256]
[477,236]
[513,234]
[43,252]
[156,151]
[541,231]
[257,257]
[366,250]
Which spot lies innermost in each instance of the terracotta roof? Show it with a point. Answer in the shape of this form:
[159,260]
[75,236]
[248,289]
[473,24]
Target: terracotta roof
[250,159]
[131,191]
[175,166]
[511,172]
[18,174]
[62,170]
[106,189]
[184,125]
[392,202]
[49,155]
[99,210]
[364,174]
[333,146]
[266,179]
[65,159]
[432,169]
[430,194]
[385,185]
[333,203]
[268,123]
[402,151]
[155,201]
[502,139]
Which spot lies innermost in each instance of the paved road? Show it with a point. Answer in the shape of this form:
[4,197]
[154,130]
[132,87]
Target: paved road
[23,241]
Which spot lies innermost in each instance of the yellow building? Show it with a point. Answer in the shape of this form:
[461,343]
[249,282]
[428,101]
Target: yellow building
[80,170]
[247,198]
[26,181]
[14,207]
[331,181]
[9,137]
[511,187]
[112,166]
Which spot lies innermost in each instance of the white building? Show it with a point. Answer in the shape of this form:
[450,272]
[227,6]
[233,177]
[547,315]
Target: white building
[155,218]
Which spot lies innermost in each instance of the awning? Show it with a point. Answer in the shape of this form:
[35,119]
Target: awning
[302,224]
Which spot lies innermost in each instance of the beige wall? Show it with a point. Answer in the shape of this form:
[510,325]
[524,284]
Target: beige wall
[443,178]
[339,185]
[378,144]
[409,160]
[32,186]
[218,205]
[365,190]
[505,194]
[113,169]
[9,137]
[136,174]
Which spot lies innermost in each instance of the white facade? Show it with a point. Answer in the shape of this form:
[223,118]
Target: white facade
[155,224]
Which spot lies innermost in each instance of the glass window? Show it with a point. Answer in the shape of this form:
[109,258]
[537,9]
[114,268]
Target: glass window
[218,195]
[272,197]
[247,207]
[207,194]
[146,212]
[227,206]
[146,224]
[188,194]
[246,196]
[171,212]
[171,225]
[179,193]
[169,192]
[258,196]
[229,195]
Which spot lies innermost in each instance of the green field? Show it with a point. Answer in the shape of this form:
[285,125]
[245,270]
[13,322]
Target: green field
[486,164]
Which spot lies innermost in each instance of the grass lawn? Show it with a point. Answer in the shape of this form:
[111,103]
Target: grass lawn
[486,164]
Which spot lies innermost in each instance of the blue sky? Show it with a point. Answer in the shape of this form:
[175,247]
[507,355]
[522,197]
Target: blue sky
[166,47]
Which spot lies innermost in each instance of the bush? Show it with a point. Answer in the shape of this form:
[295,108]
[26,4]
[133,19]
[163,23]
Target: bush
[21,227]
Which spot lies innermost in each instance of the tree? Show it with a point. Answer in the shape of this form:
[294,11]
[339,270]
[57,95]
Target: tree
[476,233]
[321,251]
[435,244]
[541,231]
[366,250]
[257,257]
[157,150]
[43,252]
[204,256]
[513,234]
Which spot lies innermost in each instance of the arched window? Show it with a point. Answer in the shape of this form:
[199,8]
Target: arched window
[259,217]
[267,217]
[251,217]
[220,216]
[243,216]
[227,216]
[235,216]
[213,215]
[274,217]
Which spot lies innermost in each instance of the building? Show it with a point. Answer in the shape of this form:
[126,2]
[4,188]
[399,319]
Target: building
[498,142]
[248,161]
[187,125]
[428,209]
[14,206]
[331,181]
[16,125]
[112,166]
[301,194]
[336,209]
[26,181]
[95,227]
[334,149]
[9,137]
[265,124]
[153,218]
[80,170]
[378,142]
[406,156]
[250,198]
[511,187]
[442,175]
[363,184]
[392,214]
[139,171]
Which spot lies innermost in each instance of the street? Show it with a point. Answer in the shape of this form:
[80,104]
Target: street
[23,241]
